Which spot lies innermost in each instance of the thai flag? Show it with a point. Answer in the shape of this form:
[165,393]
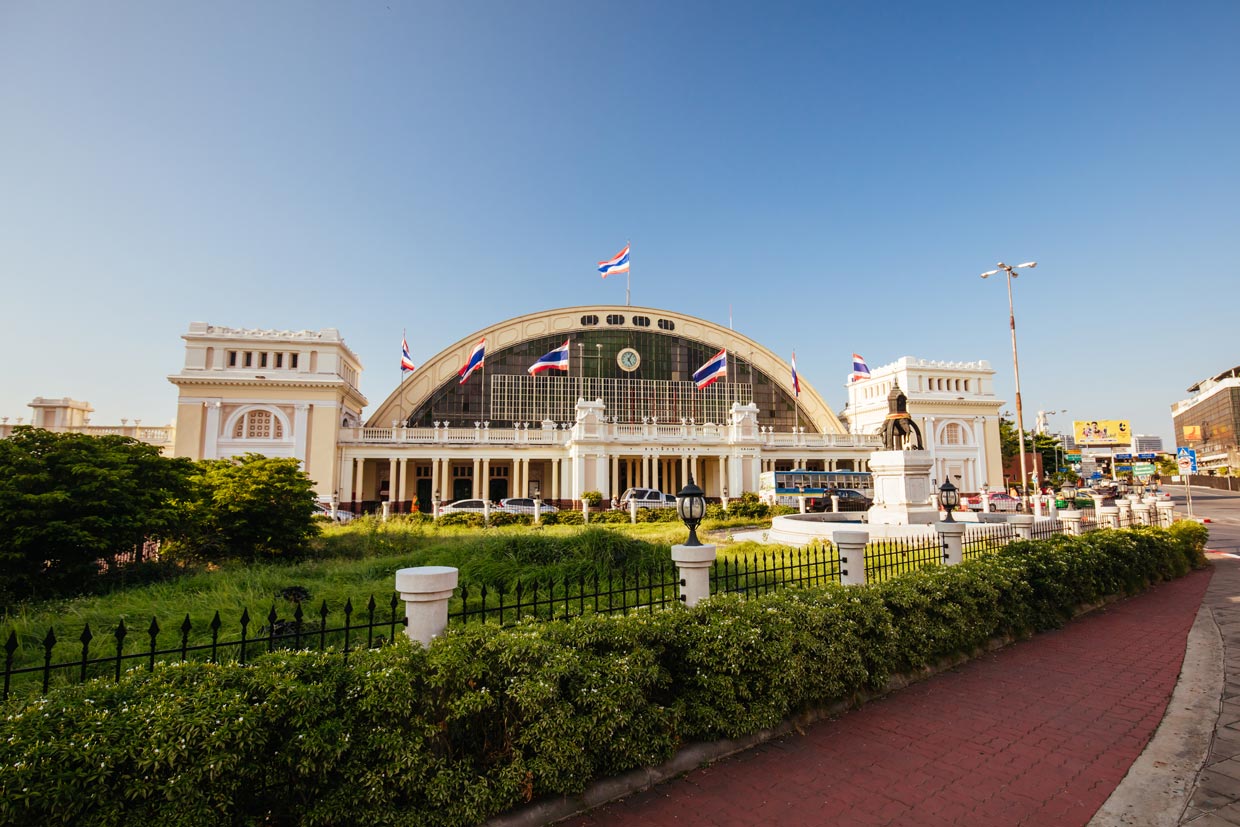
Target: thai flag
[712,371]
[475,361]
[555,360]
[615,265]
[860,371]
[796,383]
[406,361]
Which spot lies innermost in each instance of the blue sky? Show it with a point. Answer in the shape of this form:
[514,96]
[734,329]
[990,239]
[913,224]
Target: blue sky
[839,173]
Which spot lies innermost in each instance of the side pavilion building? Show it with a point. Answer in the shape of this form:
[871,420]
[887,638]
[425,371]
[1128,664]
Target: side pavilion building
[627,412]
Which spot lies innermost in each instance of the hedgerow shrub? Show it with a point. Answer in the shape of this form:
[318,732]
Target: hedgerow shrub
[490,717]
[465,518]
[503,518]
[657,515]
[616,516]
[567,518]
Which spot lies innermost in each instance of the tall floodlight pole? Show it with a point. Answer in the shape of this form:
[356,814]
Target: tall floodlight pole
[1020,414]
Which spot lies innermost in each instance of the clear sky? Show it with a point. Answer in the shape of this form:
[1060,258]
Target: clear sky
[838,173]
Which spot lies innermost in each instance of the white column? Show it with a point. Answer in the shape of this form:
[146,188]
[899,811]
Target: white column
[1072,518]
[952,536]
[426,591]
[486,478]
[402,468]
[448,489]
[1023,523]
[346,479]
[301,418]
[979,434]
[211,431]
[645,470]
[684,469]
[555,478]
[1108,516]
[693,468]
[1166,513]
[693,563]
[851,545]
[359,487]
[615,476]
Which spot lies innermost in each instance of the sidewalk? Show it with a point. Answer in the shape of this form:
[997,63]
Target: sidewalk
[1038,733]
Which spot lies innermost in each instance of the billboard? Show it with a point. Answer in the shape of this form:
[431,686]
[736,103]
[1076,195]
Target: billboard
[1192,433]
[1096,432]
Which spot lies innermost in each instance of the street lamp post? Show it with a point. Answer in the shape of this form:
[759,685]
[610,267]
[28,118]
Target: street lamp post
[1020,417]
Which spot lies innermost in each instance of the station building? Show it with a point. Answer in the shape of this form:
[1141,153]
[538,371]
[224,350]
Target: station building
[1208,421]
[627,412]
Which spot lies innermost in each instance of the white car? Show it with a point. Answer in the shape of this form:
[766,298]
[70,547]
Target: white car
[342,516]
[465,507]
[524,505]
[647,498]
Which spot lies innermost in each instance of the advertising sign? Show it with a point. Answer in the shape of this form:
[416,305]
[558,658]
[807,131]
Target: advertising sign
[1192,433]
[1102,432]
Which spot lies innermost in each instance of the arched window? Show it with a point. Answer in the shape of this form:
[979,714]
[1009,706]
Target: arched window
[258,425]
[952,434]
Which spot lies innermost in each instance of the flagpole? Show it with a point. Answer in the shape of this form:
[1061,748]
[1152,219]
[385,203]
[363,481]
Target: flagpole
[628,275]
[401,401]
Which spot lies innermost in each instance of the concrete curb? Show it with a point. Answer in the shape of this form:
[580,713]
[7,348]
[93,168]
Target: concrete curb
[1156,790]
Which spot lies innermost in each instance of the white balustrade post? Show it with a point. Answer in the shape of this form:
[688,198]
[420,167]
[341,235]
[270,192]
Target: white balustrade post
[426,591]
[537,512]
[486,511]
[1108,516]
[1037,504]
[632,510]
[693,563]
[1073,518]
[585,512]
[851,545]
[1023,523]
[801,503]
[387,510]
[835,503]
[1123,513]
[1166,513]
[1141,514]
[952,536]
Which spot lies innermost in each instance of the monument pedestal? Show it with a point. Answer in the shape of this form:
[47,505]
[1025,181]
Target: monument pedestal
[903,494]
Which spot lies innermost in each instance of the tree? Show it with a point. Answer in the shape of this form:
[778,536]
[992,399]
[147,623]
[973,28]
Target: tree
[251,506]
[71,500]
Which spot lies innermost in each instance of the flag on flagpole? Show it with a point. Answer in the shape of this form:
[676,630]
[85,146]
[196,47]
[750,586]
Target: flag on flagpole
[860,371]
[555,360]
[476,357]
[406,361]
[619,263]
[796,383]
[712,371]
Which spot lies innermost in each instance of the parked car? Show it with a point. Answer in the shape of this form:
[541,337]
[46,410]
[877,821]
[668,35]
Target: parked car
[647,498]
[342,516]
[524,505]
[999,501]
[850,500]
[464,507]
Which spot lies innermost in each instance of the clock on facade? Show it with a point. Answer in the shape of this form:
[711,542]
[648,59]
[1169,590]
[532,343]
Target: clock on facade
[628,359]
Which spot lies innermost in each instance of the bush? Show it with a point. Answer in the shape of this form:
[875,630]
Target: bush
[616,516]
[461,518]
[503,518]
[490,717]
[657,515]
[594,498]
[566,518]
[748,505]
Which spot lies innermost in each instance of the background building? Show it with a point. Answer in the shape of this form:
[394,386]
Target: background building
[1209,421]
[953,403]
[626,413]
[67,415]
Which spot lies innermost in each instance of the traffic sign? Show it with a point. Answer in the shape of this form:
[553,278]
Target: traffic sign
[1147,456]
[1143,469]
[1186,459]
[1123,456]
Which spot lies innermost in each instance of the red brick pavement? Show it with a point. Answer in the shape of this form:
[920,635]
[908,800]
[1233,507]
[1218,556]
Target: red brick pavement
[1038,733]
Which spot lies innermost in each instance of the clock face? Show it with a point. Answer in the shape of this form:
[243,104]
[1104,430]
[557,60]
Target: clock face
[628,359]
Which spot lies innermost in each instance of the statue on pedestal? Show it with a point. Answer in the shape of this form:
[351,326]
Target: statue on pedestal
[900,432]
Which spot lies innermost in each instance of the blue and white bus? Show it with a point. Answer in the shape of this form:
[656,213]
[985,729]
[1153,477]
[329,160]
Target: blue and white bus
[784,487]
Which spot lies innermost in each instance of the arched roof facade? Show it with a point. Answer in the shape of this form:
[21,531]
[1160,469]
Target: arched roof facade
[670,346]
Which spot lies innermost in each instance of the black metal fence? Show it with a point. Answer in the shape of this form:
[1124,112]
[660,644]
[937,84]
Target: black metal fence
[987,538]
[1043,529]
[37,661]
[767,571]
[892,557]
[618,591]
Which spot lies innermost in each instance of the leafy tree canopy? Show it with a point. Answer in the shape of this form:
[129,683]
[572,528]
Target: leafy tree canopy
[70,500]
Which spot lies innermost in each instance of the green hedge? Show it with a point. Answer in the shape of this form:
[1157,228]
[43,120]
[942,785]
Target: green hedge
[489,718]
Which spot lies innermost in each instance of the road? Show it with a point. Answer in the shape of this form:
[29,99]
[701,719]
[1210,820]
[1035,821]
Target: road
[1222,508]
